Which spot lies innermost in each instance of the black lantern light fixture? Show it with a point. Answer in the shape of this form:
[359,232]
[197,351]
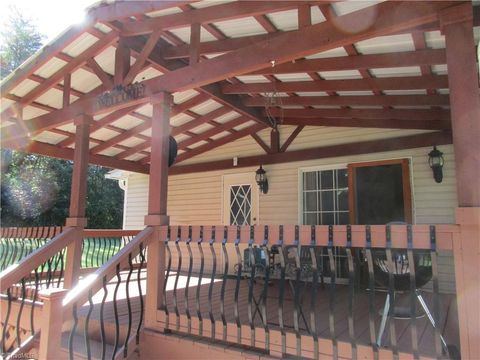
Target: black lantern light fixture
[435,160]
[172,150]
[261,179]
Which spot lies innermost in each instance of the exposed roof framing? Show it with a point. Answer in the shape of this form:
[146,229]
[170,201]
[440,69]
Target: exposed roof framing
[217,60]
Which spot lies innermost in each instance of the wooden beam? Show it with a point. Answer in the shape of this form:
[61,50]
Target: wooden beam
[399,114]
[260,142]
[122,62]
[184,106]
[350,149]
[67,87]
[222,141]
[36,147]
[292,137]
[105,78]
[195,30]
[394,83]
[371,123]
[204,136]
[375,100]
[70,67]
[359,62]
[275,140]
[142,57]
[133,150]
[206,15]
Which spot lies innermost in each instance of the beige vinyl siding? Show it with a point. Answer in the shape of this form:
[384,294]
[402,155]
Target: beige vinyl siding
[196,199]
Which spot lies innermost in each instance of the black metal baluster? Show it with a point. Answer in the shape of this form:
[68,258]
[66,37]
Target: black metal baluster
[281,295]
[251,256]
[351,292]
[73,331]
[224,281]
[32,311]
[199,282]
[49,272]
[167,275]
[100,251]
[94,246]
[15,250]
[265,289]
[237,290]
[103,337]
[331,307]
[87,322]
[212,279]
[436,301]
[20,311]
[313,298]
[86,251]
[391,291]
[371,290]
[115,312]
[7,318]
[140,293]
[413,292]
[187,286]
[60,276]
[179,267]
[129,305]
[296,294]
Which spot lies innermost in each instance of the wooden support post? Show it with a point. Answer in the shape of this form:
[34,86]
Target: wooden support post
[51,323]
[78,198]
[275,140]
[122,62]
[157,205]
[195,30]
[457,25]
[67,89]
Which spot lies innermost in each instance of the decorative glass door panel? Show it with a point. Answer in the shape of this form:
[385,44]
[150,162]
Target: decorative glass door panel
[240,205]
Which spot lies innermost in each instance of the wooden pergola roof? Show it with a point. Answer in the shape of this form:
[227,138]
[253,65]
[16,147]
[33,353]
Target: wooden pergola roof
[232,67]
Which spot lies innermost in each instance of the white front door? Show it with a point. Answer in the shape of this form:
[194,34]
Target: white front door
[240,199]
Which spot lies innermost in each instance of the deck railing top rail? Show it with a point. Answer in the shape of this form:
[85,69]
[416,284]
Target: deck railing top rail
[24,267]
[321,235]
[94,281]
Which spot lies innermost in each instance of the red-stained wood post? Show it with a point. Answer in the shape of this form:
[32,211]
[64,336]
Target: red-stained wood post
[51,323]
[78,196]
[157,205]
[457,25]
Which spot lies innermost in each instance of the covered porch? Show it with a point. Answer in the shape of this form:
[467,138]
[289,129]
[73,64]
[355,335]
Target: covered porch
[190,93]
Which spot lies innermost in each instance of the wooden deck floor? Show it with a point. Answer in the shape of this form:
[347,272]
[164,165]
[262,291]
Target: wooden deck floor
[425,332]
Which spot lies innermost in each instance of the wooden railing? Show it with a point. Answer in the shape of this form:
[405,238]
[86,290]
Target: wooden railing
[96,284]
[279,288]
[33,260]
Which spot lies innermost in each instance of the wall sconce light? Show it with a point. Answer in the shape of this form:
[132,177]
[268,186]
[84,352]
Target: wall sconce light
[436,161]
[261,179]
[172,150]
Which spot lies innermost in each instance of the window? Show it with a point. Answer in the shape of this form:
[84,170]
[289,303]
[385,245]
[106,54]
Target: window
[325,197]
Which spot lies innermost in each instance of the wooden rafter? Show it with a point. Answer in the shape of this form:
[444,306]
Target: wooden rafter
[375,100]
[399,114]
[199,121]
[98,47]
[358,62]
[371,123]
[105,78]
[210,14]
[398,83]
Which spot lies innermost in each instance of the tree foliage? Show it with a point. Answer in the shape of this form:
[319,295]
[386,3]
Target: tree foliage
[20,39]
[35,190]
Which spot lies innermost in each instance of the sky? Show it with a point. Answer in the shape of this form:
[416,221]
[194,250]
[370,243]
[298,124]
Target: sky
[51,16]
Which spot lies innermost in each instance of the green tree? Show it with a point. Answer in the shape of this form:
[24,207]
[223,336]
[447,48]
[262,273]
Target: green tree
[20,39]
[35,190]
